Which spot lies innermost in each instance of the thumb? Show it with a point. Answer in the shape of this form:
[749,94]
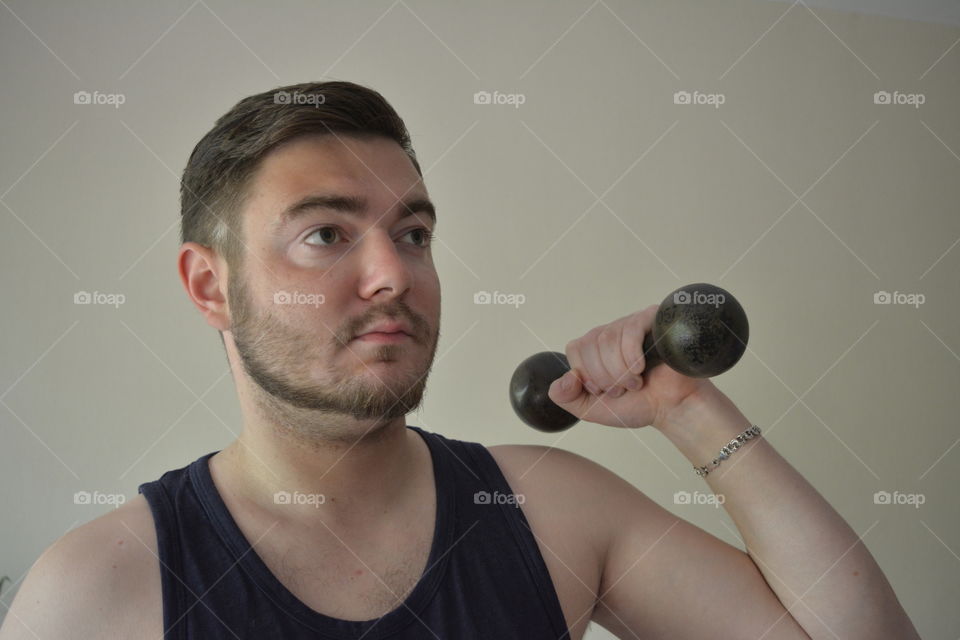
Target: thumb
[565,389]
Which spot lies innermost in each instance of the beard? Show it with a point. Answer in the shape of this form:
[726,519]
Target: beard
[282,360]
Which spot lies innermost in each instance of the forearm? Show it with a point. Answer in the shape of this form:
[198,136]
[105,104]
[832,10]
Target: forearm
[810,557]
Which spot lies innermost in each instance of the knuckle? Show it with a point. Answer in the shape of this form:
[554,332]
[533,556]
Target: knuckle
[607,335]
[637,366]
[593,333]
[634,358]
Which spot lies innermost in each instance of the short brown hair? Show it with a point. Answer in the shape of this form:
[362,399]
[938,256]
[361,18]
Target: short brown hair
[216,179]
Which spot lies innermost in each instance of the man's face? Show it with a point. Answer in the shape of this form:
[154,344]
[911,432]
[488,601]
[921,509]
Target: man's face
[311,283]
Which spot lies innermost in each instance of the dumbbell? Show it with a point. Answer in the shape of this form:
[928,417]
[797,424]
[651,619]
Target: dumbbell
[700,330]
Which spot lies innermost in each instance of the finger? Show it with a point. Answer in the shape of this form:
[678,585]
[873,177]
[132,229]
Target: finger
[594,369]
[634,333]
[561,395]
[610,342]
[633,354]
[575,358]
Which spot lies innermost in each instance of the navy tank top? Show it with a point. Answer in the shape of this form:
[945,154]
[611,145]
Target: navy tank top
[485,576]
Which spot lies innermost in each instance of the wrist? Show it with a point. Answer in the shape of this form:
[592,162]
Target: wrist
[702,424]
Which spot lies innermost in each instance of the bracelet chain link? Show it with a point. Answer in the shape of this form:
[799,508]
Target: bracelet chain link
[729,449]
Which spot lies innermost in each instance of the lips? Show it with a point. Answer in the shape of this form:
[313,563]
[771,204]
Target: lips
[388,328]
[384,338]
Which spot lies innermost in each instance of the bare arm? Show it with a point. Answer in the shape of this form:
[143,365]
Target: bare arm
[86,585]
[811,558]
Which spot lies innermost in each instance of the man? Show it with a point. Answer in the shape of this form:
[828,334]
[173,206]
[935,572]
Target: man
[306,243]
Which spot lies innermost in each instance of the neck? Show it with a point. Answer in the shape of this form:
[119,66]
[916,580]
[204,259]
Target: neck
[346,480]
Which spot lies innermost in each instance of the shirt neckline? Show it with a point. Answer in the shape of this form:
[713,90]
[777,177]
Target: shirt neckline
[252,564]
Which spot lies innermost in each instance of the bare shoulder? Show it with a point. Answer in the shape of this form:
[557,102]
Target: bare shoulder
[536,465]
[574,507]
[578,488]
[99,580]
[584,495]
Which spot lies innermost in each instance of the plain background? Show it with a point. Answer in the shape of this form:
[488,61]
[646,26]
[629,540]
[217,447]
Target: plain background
[593,199]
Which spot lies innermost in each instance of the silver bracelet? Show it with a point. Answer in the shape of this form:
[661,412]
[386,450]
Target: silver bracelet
[726,451]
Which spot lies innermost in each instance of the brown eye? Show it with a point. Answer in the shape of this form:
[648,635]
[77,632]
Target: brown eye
[425,236]
[325,235]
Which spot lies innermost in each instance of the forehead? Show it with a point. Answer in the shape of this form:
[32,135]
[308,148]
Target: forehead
[375,167]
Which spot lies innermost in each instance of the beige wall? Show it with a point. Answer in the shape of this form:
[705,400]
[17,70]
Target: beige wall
[97,398]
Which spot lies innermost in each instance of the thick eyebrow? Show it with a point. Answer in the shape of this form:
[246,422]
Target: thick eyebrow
[354,205]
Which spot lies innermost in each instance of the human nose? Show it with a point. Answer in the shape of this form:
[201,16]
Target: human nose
[385,273]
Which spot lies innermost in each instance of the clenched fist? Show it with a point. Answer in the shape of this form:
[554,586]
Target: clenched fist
[608,384]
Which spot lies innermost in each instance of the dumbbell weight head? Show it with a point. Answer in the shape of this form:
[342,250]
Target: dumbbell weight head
[528,392]
[700,330]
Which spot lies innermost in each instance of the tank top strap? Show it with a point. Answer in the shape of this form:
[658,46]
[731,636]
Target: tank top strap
[160,498]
